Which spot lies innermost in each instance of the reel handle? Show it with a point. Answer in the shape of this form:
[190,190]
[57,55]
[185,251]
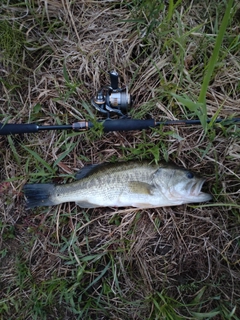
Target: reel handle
[114,79]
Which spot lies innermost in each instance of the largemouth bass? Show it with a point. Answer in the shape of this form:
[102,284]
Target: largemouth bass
[136,184]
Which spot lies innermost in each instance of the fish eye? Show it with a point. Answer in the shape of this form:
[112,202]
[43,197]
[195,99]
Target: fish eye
[189,175]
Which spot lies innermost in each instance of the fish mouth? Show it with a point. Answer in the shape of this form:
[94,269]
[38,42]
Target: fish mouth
[196,187]
[197,193]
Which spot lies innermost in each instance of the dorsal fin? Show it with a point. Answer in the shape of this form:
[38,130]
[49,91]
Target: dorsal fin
[89,169]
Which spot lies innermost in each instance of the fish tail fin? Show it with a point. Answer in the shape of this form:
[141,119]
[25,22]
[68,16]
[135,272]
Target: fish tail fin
[39,194]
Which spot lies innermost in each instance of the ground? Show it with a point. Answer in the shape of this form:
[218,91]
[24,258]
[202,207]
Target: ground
[180,60]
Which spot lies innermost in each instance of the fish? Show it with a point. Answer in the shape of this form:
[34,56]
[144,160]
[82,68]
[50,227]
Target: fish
[123,184]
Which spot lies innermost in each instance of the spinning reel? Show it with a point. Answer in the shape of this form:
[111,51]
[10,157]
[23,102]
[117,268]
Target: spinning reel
[112,99]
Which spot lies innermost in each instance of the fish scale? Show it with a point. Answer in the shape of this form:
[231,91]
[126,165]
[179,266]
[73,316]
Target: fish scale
[134,183]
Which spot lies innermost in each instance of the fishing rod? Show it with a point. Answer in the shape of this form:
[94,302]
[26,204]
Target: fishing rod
[108,125]
[108,100]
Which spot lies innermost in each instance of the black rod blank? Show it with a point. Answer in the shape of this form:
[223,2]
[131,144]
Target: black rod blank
[192,122]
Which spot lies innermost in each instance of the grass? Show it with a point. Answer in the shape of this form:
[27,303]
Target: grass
[181,60]
[12,43]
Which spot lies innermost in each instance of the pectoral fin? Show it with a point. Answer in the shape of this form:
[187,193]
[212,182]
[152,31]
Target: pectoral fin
[140,187]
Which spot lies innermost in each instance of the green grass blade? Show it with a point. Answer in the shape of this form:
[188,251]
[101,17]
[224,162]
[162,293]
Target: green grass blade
[99,277]
[206,315]
[235,205]
[213,60]
[39,159]
[13,148]
[64,154]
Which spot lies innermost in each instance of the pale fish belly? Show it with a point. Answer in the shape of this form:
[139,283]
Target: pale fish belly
[133,194]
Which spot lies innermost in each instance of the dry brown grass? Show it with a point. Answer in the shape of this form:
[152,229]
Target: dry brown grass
[53,259]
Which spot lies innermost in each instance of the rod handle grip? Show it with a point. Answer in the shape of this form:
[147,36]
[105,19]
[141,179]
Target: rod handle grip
[6,129]
[127,124]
